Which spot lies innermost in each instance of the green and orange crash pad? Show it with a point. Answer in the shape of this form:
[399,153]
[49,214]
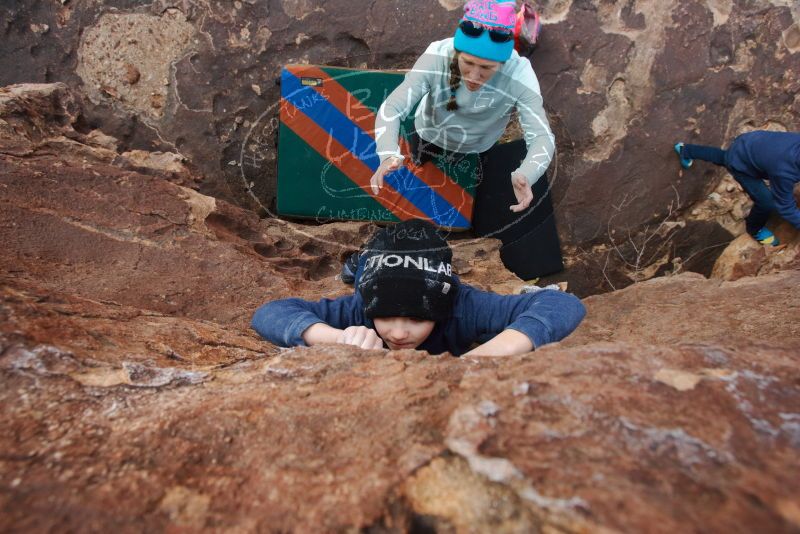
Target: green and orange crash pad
[326,155]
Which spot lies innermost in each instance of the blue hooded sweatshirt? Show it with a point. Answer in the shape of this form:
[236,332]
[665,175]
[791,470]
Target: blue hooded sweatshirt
[772,156]
[545,317]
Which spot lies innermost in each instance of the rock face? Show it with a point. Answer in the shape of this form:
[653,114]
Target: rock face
[745,257]
[143,422]
[688,308]
[133,396]
[176,423]
[621,80]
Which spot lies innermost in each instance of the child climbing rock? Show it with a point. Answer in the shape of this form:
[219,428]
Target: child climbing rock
[407,297]
[466,87]
[753,159]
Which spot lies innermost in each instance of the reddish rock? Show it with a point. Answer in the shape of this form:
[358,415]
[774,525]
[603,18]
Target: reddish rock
[39,118]
[746,257]
[132,74]
[743,257]
[96,333]
[140,421]
[688,308]
[168,165]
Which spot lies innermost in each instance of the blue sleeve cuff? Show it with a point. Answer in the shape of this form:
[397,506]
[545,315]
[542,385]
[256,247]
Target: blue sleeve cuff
[537,330]
[555,317]
[294,332]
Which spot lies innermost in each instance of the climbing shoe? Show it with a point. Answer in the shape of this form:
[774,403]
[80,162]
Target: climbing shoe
[766,237]
[685,162]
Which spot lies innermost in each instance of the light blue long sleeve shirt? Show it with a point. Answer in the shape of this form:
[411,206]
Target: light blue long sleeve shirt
[482,115]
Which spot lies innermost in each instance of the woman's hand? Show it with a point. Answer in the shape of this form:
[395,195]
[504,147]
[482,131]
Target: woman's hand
[522,190]
[390,164]
[360,336]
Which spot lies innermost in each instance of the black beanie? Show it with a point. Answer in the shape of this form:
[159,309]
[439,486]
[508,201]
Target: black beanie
[408,273]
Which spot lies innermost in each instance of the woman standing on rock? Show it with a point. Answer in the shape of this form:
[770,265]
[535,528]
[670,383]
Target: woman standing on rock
[466,87]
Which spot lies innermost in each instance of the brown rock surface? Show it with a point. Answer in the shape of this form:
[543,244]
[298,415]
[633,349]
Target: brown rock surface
[38,119]
[118,417]
[745,257]
[687,308]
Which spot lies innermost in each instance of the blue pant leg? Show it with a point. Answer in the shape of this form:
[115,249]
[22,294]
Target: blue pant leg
[763,203]
[711,154]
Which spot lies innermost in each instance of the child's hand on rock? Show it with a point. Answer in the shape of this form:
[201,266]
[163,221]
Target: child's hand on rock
[360,336]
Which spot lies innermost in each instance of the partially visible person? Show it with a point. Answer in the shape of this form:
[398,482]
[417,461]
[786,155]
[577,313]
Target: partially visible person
[756,159]
[467,87]
[407,297]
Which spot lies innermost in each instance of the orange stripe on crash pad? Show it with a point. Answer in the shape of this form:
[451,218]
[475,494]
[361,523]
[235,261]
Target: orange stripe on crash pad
[364,118]
[352,167]
[437,180]
[339,97]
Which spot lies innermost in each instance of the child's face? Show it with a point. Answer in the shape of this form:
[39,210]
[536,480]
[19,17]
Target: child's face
[403,332]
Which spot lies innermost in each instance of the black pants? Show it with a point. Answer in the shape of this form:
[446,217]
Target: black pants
[423,151]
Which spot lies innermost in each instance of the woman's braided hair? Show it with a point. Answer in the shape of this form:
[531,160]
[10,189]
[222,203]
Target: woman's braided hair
[455,81]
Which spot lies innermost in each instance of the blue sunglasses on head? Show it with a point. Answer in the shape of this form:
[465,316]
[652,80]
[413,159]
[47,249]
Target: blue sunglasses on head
[496,36]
